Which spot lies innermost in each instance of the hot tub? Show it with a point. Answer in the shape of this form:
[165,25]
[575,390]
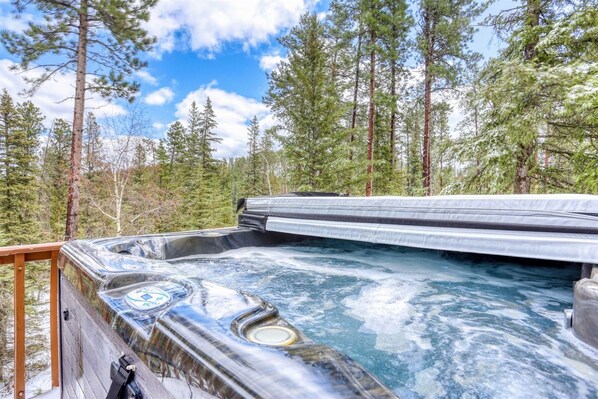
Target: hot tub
[266,310]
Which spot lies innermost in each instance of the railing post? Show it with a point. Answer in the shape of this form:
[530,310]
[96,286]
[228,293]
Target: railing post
[54,317]
[19,303]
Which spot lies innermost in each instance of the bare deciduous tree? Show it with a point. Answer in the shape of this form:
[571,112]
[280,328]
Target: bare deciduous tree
[122,136]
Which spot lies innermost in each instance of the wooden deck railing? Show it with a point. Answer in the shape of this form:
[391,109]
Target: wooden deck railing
[19,256]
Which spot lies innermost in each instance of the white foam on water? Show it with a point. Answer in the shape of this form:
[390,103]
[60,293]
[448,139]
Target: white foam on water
[512,314]
[427,385]
[386,311]
[223,301]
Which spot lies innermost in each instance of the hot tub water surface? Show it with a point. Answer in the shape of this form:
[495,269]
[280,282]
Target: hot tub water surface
[427,324]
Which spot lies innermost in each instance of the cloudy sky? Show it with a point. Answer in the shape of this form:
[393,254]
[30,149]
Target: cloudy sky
[216,48]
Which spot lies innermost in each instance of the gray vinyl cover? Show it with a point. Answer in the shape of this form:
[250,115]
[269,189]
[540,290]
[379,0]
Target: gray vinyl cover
[559,227]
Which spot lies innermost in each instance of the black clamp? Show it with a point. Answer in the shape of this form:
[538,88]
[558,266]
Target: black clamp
[123,385]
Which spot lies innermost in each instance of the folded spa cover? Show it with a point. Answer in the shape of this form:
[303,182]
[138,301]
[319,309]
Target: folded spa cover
[557,227]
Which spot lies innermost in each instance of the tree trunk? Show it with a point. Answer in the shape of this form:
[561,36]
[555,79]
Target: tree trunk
[523,180]
[370,159]
[546,148]
[72,207]
[427,102]
[393,96]
[118,199]
[393,113]
[526,150]
[355,90]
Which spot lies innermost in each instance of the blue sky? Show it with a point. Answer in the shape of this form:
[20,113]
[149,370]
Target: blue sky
[216,48]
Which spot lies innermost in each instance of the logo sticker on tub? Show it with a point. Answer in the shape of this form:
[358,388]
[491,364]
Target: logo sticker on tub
[148,298]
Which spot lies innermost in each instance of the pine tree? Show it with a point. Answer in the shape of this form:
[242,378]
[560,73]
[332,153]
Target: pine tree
[8,123]
[254,172]
[412,133]
[91,167]
[216,205]
[372,10]
[194,140]
[303,97]
[92,144]
[175,181]
[540,93]
[344,31]
[175,145]
[107,35]
[442,144]
[394,45]
[446,27]
[207,136]
[168,218]
[163,161]
[266,148]
[20,127]
[56,168]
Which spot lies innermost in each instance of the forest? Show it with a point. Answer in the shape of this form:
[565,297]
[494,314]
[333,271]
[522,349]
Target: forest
[352,118]
[362,102]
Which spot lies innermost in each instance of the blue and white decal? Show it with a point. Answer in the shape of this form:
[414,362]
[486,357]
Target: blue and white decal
[147,298]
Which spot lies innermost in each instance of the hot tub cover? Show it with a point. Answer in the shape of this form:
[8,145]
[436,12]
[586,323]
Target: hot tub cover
[558,227]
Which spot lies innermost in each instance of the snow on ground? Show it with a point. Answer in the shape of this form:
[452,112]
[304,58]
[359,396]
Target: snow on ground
[39,386]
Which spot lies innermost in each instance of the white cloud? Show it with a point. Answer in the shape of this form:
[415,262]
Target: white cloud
[269,61]
[160,96]
[322,15]
[158,125]
[147,77]
[54,98]
[207,24]
[233,113]
[13,22]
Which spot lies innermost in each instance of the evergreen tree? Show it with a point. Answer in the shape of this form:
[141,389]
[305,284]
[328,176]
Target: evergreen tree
[446,27]
[56,168]
[442,145]
[175,145]
[372,11]
[266,148]
[194,139]
[92,144]
[346,28]
[107,35]
[540,93]
[394,51]
[413,133]
[304,99]
[207,136]
[168,217]
[163,161]
[255,170]
[20,127]
[217,207]
[92,167]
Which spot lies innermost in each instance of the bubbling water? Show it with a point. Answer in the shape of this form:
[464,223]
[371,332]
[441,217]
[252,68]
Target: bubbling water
[426,324]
